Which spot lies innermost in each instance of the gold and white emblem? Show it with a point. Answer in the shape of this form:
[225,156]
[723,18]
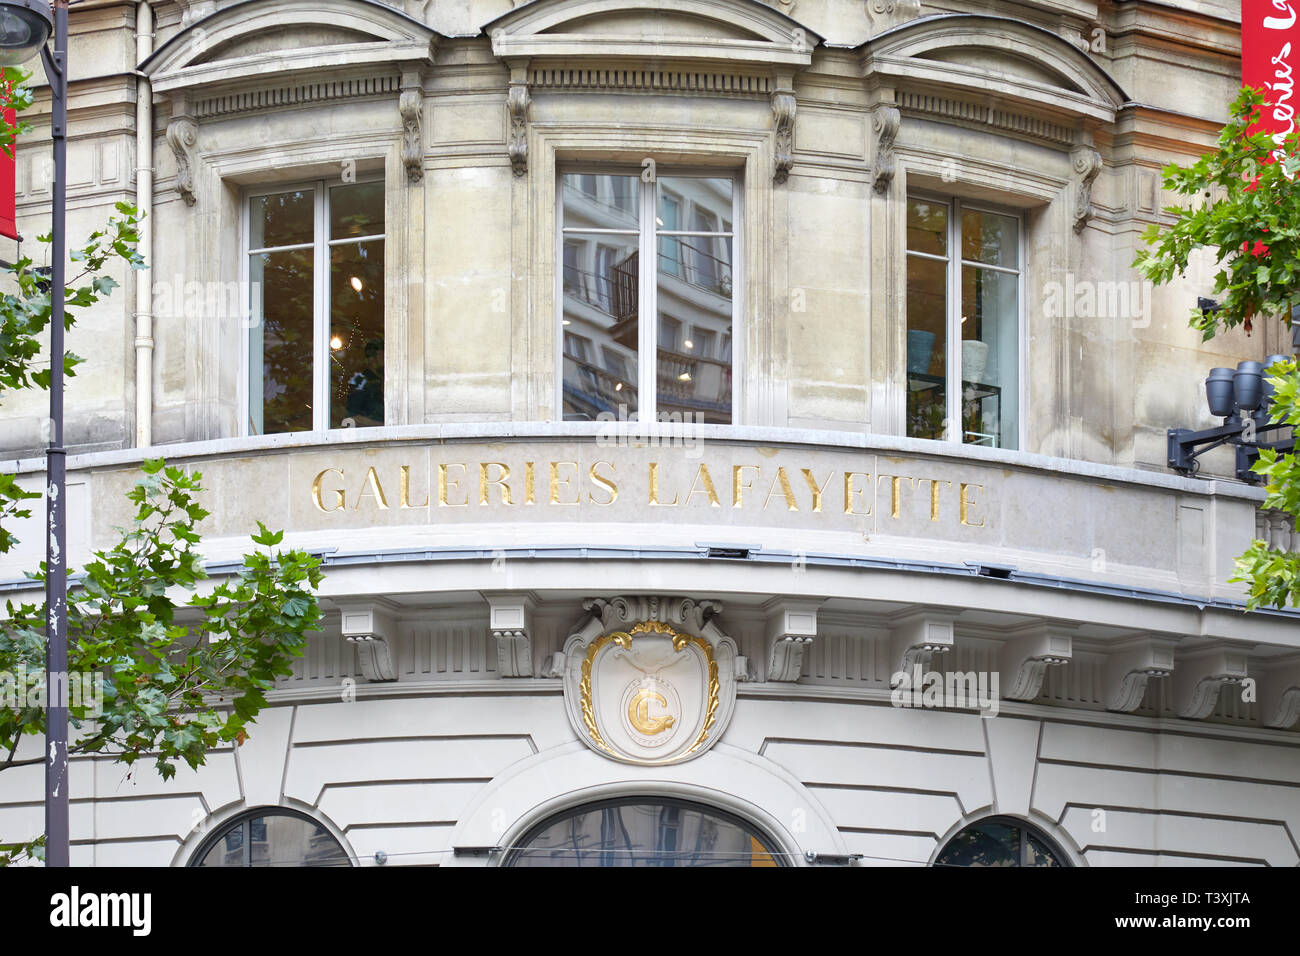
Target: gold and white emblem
[649,691]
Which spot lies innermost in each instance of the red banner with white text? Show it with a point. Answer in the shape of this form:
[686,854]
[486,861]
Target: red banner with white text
[1270,53]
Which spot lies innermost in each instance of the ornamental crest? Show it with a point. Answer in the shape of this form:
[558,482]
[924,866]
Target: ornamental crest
[649,681]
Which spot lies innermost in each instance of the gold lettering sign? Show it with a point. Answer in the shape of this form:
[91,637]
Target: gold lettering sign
[606,484]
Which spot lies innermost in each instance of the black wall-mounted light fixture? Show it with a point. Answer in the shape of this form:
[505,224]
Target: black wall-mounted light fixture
[1243,398]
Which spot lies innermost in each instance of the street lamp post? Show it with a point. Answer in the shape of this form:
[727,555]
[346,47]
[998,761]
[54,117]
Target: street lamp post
[24,28]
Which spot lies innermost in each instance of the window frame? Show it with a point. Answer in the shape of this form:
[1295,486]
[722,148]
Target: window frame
[648,270]
[244,821]
[952,290]
[321,245]
[771,848]
[1024,828]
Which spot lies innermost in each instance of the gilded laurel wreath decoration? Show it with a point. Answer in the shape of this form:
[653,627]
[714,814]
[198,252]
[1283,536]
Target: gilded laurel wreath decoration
[624,640]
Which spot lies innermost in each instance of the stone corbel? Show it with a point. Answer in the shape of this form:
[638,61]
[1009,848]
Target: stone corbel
[411,105]
[1024,660]
[182,136]
[510,620]
[885,123]
[783,110]
[1197,681]
[1087,164]
[791,627]
[517,102]
[553,665]
[368,629]
[1279,695]
[916,638]
[1129,669]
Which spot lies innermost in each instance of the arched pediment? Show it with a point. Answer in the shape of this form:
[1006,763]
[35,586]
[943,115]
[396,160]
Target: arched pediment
[1008,58]
[270,38]
[733,32]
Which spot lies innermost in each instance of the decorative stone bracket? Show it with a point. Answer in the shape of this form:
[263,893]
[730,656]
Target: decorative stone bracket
[510,620]
[517,102]
[791,627]
[411,105]
[1279,695]
[1197,682]
[368,628]
[182,137]
[1087,164]
[917,638]
[1024,660]
[1128,671]
[783,110]
[885,122]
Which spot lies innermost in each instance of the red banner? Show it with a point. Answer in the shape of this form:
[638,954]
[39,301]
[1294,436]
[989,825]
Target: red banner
[1270,53]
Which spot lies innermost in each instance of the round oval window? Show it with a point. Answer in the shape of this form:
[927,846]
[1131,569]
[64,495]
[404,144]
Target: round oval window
[643,831]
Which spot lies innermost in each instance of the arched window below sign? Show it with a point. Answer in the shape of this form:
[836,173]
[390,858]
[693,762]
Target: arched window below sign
[1001,841]
[644,831]
[271,836]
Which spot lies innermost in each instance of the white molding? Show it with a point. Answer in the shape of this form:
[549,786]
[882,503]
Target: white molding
[1198,681]
[536,30]
[510,619]
[569,776]
[791,628]
[368,628]
[1024,659]
[916,638]
[1129,670]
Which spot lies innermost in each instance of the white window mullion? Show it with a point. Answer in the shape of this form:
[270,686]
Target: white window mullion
[737,303]
[320,413]
[953,350]
[648,400]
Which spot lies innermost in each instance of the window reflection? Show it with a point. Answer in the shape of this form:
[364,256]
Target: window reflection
[272,838]
[305,342]
[644,832]
[972,355]
[999,842]
[606,285]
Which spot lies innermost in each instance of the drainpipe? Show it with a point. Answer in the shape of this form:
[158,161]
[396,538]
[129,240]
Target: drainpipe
[144,203]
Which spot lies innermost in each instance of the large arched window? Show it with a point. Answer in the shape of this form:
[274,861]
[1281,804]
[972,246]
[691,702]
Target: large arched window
[271,837]
[1001,841]
[644,831]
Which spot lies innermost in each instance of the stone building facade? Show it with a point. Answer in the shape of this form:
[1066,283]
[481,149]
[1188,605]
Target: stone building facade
[734,430]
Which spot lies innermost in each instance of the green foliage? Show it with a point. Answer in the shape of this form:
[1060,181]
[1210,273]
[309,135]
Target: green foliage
[1247,212]
[1243,202]
[181,677]
[185,662]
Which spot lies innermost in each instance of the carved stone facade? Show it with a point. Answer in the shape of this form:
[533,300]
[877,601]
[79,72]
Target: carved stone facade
[529,611]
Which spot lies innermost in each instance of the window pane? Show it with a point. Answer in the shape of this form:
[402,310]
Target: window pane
[709,200]
[695,300]
[643,833]
[984,844]
[593,202]
[283,219]
[990,355]
[927,227]
[281,342]
[989,238]
[670,249]
[1039,854]
[927,311]
[276,839]
[356,346]
[357,210]
[600,325]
